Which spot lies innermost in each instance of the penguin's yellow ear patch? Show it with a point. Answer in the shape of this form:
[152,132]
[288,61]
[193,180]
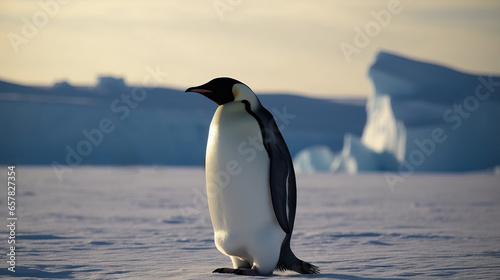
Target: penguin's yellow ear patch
[236,91]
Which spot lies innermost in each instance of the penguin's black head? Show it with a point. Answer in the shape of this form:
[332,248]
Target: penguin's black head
[219,90]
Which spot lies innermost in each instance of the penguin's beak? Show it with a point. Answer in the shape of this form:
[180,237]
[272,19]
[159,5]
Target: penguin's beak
[198,90]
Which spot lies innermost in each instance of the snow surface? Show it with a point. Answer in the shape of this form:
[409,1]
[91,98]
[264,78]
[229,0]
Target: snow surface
[153,223]
[422,117]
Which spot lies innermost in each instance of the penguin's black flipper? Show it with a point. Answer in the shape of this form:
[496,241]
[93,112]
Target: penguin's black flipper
[282,175]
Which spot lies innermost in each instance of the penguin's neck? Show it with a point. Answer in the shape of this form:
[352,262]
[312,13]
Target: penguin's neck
[228,111]
[232,107]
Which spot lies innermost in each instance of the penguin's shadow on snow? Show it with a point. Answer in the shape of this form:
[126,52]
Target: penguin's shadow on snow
[334,276]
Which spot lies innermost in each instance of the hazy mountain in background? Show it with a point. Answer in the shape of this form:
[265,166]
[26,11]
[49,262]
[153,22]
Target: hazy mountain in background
[114,123]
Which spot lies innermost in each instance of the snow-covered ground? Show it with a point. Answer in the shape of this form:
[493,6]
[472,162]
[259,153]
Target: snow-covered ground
[152,223]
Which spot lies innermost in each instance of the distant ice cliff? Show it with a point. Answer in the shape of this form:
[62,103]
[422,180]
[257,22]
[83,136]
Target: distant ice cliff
[422,117]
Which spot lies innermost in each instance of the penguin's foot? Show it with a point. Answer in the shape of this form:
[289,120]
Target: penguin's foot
[238,271]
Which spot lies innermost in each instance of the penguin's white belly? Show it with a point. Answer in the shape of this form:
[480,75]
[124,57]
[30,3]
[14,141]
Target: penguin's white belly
[239,196]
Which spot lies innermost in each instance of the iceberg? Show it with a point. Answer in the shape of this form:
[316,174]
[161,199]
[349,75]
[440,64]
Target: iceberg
[316,158]
[422,118]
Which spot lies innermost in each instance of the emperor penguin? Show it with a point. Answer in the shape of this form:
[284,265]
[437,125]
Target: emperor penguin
[250,182]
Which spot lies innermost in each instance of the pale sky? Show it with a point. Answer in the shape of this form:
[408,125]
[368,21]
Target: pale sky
[272,46]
